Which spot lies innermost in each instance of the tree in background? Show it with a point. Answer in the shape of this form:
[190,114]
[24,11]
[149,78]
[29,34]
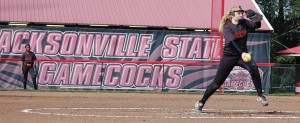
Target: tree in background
[284,16]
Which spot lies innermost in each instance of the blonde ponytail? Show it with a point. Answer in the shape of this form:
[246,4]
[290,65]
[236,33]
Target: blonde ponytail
[225,19]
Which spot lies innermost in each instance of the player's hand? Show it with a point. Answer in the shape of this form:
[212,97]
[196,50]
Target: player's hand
[244,54]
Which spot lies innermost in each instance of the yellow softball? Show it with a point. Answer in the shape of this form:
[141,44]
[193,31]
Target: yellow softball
[248,58]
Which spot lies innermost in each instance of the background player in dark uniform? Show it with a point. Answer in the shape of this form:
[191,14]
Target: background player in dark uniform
[235,29]
[28,65]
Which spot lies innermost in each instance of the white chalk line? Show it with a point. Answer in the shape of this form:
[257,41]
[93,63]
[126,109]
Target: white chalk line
[205,115]
[78,115]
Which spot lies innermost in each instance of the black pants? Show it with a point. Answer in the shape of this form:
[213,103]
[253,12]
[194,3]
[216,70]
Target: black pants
[226,65]
[29,70]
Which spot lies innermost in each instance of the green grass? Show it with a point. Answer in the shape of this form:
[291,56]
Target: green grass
[283,94]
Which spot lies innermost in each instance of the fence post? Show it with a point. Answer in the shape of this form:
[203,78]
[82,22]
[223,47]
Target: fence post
[297,76]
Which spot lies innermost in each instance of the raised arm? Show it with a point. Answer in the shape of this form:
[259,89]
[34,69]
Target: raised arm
[255,19]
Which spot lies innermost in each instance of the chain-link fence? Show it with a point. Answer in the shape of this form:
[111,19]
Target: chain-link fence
[283,78]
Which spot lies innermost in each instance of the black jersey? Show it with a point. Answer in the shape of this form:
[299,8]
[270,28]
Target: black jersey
[28,59]
[238,33]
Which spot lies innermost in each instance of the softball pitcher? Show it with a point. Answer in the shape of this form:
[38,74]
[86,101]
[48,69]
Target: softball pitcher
[235,29]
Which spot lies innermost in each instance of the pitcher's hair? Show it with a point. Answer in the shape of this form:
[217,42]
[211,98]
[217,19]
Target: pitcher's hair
[228,16]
